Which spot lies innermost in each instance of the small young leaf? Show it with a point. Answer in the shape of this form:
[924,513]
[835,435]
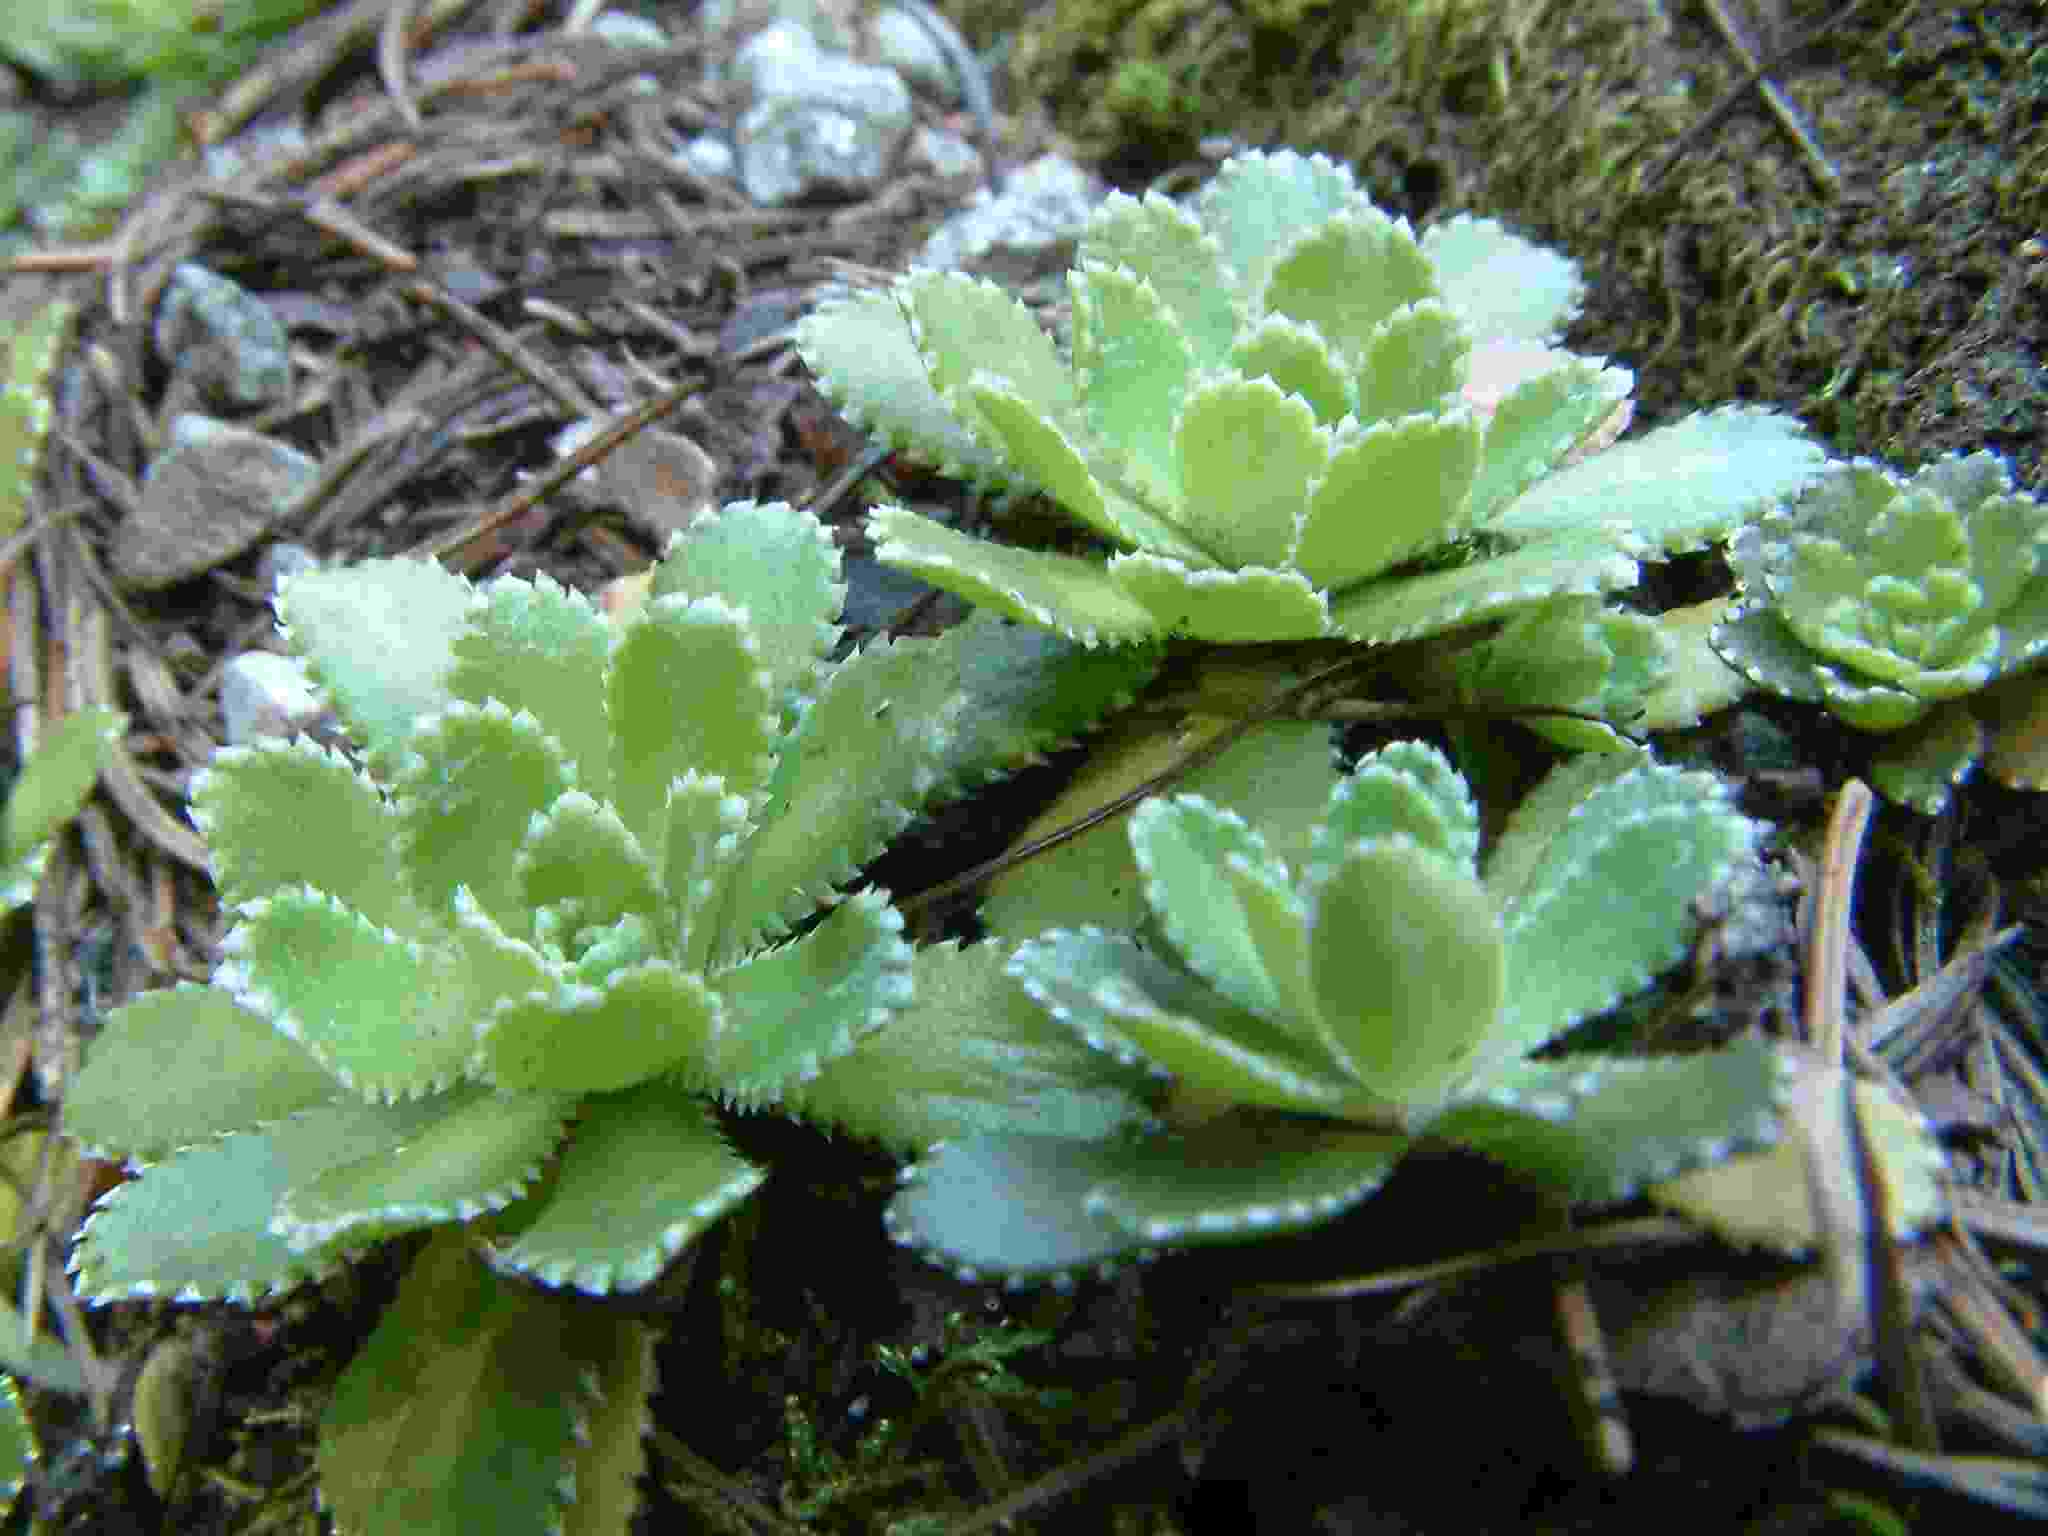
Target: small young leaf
[1410,362]
[1223,607]
[540,650]
[57,777]
[1348,275]
[1409,608]
[643,1019]
[1134,362]
[1297,359]
[1159,242]
[1247,453]
[1258,202]
[1388,493]
[1499,284]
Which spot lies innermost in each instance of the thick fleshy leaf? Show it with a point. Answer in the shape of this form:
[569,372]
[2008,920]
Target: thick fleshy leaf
[791,1009]
[1238,1178]
[1159,241]
[1536,424]
[1246,453]
[865,358]
[1755,639]
[860,763]
[609,1454]
[542,650]
[972,1055]
[687,689]
[1409,608]
[1047,450]
[1134,362]
[1258,202]
[1542,814]
[17,1445]
[1295,357]
[387,1015]
[1612,900]
[1499,284]
[1571,653]
[1124,1000]
[25,407]
[457,1415]
[1278,775]
[58,776]
[198,1227]
[644,1019]
[960,323]
[477,1154]
[474,779]
[782,567]
[1626,1121]
[1680,487]
[1389,492]
[380,638]
[283,813]
[1347,276]
[1010,1205]
[1407,788]
[1248,606]
[1410,362]
[1921,765]
[645,1172]
[1074,596]
[577,850]
[1408,964]
[180,1066]
[707,833]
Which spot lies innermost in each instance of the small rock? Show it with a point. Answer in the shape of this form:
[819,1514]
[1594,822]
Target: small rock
[1028,230]
[217,490]
[624,31]
[264,694]
[945,155]
[710,156]
[906,46]
[822,124]
[223,339]
[661,480]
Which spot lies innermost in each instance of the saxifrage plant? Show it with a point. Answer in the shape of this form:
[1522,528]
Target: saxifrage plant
[1284,416]
[1319,1020]
[1891,601]
[587,878]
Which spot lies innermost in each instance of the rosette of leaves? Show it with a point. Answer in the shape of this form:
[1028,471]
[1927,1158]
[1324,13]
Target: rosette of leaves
[1319,1019]
[1285,416]
[585,878]
[1891,600]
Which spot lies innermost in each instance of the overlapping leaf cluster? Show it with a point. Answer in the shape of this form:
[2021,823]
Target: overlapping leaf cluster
[1318,1017]
[1286,416]
[587,877]
[1891,599]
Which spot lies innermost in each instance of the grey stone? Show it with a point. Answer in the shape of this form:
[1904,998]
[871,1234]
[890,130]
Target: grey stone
[945,155]
[906,45]
[264,694]
[223,339]
[822,124]
[1032,227]
[217,490]
[709,155]
[624,31]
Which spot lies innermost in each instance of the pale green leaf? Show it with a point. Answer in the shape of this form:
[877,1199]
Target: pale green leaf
[1411,607]
[1257,202]
[961,323]
[1920,765]
[457,1415]
[1247,453]
[1347,276]
[1680,487]
[645,1172]
[58,776]
[25,407]
[380,638]
[1612,901]
[577,850]
[1124,1000]
[282,813]
[1295,357]
[645,1018]
[1389,493]
[477,1154]
[790,1009]
[1159,241]
[44,1358]
[1534,425]
[1046,449]
[1134,362]
[1755,639]
[1598,1129]
[1499,284]
[1699,683]
[1407,788]
[686,690]
[1252,605]
[866,362]
[541,650]
[609,1456]
[198,1227]
[1542,814]
[970,1055]
[707,833]
[1066,593]
[387,1015]
[782,567]
[17,1445]
[1408,964]
[183,1065]
[1410,362]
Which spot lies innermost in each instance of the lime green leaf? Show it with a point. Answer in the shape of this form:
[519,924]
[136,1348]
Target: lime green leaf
[477,1154]
[283,813]
[1046,449]
[971,1054]
[608,1455]
[1224,607]
[25,408]
[1258,202]
[1535,425]
[1408,964]
[1247,453]
[782,567]
[1542,814]
[540,650]
[1918,766]
[707,829]
[1407,788]
[1410,362]
[646,1172]
[380,638]
[686,690]
[173,1068]
[790,1009]
[1134,362]
[961,322]
[577,850]
[1295,357]
[1347,276]
[643,1019]
[1499,284]
[1409,608]
[1158,241]
[1389,493]
[17,1445]
[58,776]
[457,1415]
